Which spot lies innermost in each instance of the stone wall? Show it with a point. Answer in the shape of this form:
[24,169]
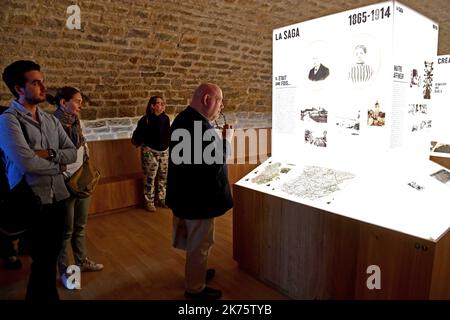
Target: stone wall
[128,50]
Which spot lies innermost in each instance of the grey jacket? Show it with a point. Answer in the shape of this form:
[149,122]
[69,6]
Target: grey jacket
[43,176]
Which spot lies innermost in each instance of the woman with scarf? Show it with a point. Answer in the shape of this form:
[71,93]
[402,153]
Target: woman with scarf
[68,101]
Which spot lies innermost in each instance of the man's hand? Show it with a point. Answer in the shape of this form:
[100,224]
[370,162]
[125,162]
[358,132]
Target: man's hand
[62,167]
[227,132]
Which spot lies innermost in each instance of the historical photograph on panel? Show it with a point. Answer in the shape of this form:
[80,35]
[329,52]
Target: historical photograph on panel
[317,68]
[417,109]
[442,176]
[318,72]
[415,79]
[363,60]
[419,120]
[441,148]
[421,125]
[316,137]
[361,71]
[375,116]
[349,124]
[319,115]
[428,80]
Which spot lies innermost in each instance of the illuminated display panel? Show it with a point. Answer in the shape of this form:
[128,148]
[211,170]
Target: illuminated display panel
[342,87]
[352,110]
[440,132]
[412,202]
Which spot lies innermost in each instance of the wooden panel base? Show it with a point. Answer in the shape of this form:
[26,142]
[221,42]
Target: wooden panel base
[309,253]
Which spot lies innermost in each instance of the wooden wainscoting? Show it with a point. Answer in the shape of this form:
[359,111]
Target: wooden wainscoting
[120,185]
[119,162]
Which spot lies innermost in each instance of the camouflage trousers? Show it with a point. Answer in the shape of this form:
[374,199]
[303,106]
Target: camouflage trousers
[154,165]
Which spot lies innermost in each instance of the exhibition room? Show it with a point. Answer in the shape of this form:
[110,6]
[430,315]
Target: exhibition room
[225,150]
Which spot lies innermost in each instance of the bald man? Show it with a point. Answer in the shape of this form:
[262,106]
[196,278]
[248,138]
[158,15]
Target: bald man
[197,185]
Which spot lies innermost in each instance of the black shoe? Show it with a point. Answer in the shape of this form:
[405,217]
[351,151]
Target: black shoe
[210,273]
[207,294]
[13,263]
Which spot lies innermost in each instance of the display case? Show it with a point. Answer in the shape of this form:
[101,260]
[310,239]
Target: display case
[349,206]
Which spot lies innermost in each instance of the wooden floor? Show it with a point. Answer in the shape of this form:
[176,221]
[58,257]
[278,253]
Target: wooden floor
[140,263]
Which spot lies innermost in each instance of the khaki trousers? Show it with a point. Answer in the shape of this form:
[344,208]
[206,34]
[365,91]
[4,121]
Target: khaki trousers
[195,237]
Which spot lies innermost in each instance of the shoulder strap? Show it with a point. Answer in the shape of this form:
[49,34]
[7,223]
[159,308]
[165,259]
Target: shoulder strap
[85,154]
[24,131]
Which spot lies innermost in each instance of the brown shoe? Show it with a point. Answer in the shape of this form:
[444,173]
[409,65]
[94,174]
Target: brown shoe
[89,265]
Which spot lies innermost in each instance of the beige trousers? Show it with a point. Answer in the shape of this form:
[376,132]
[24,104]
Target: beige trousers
[195,237]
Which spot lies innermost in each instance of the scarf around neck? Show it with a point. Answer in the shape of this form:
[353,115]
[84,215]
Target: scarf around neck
[71,125]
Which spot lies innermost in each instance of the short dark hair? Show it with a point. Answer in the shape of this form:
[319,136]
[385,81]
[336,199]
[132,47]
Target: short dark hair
[150,103]
[65,93]
[361,46]
[14,74]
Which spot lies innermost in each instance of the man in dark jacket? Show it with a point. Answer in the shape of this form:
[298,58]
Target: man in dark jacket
[197,184]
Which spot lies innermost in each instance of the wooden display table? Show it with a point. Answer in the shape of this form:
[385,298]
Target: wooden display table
[309,253]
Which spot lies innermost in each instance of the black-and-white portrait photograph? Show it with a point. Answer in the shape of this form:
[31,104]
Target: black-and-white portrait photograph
[317,65]
[361,71]
[318,72]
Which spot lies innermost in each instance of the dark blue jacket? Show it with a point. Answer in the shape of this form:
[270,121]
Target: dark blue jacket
[197,189]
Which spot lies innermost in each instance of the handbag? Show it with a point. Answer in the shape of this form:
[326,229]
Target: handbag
[84,181]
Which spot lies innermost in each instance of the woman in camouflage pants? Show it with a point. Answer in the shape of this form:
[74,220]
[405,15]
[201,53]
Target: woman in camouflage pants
[152,134]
